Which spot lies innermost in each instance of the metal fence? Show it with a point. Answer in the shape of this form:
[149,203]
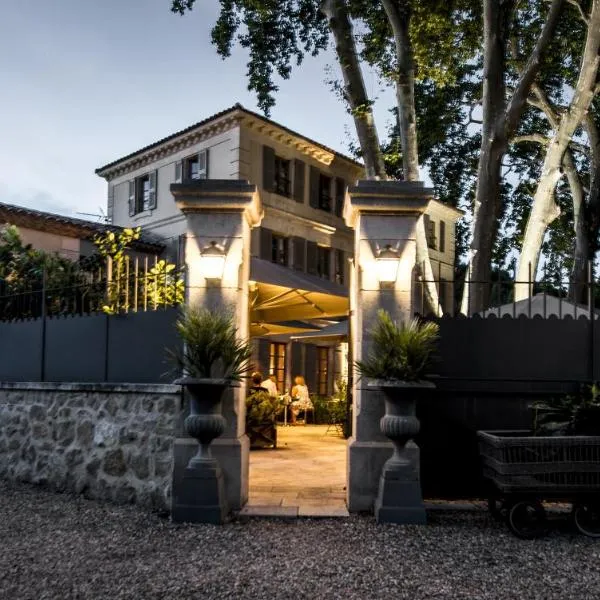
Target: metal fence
[135,284]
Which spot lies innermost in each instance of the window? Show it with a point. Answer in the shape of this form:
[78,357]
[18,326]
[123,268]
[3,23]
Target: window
[322,370]
[192,167]
[142,193]
[277,360]
[142,201]
[430,232]
[323,262]
[279,250]
[324,192]
[281,183]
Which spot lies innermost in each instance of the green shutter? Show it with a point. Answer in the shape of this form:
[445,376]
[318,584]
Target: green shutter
[132,198]
[268,169]
[311,258]
[340,193]
[299,245]
[153,191]
[299,177]
[314,187]
[266,243]
[442,242]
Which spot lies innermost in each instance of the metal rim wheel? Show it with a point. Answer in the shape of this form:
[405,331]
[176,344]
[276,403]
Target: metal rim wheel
[587,518]
[496,508]
[527,519]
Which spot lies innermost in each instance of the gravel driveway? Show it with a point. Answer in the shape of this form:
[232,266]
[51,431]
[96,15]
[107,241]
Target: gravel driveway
[58,546]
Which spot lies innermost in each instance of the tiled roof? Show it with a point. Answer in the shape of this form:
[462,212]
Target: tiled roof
[214,117]
[81,228]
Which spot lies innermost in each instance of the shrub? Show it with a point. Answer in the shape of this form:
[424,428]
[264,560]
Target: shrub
[211,346]
[400,352]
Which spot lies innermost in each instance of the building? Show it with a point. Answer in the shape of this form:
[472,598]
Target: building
[69,237]
[302,185]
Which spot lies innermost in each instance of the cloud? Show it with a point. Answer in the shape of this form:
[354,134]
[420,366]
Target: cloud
[38,199]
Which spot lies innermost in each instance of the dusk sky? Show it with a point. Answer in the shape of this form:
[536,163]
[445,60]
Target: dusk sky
[87,81]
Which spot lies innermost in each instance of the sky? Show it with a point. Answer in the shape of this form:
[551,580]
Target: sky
[84,82]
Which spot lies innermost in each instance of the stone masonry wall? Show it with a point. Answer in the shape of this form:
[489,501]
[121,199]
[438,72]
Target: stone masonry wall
[110,442]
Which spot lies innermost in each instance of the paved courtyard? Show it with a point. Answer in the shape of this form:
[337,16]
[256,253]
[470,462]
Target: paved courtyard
[304,476]
[56,546]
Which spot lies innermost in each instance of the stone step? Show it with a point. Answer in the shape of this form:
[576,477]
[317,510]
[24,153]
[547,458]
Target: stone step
[293,512]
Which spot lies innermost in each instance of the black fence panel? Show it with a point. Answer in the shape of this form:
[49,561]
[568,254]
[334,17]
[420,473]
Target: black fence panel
[521,349]
[21,350]
[137,345]
[75,348]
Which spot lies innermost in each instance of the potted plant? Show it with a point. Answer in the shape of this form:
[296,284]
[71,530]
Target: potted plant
[397,365]
[261,414]
[212,359]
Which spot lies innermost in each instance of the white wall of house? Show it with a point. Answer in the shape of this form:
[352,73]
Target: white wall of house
[166,220]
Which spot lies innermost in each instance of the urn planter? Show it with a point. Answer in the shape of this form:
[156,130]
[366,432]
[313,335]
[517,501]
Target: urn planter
[399,499]
[200,496]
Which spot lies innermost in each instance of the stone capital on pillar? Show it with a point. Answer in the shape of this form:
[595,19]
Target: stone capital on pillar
[222,213]
[382,214]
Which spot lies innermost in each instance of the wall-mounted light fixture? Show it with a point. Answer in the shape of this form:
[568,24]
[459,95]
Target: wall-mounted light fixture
[212,261]
[387,262]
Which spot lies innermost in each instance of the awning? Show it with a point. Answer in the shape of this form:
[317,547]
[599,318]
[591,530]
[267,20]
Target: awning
[286,328]
[334,332]
[281,294]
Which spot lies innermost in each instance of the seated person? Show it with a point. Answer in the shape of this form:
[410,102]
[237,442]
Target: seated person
[256,382]
[300,399]
[270,384]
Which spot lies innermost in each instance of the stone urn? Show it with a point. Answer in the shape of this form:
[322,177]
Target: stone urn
[400,499]
[200,496]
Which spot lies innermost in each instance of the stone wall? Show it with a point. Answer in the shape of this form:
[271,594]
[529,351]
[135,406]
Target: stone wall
[106,441]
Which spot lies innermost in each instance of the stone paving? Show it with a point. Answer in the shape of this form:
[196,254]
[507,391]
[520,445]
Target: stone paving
[304,476]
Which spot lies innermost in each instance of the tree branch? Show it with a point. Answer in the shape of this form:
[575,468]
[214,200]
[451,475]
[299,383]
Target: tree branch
[577,5]
[519,97]
[537,138]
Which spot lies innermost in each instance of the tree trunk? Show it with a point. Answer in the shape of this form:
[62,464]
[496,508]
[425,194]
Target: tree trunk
[354,87]
[544,209]
[500,121]
[398,13]
[493,147]
[587,219]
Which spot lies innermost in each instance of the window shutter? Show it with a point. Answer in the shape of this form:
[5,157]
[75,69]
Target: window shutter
[268,169]
[203,164]
[311,258]
[442,244]
[132,198]
[299,245]
[266,243]
[152,199]
[299,177]
[110,205]
[178,171]
[310,370]
[314,187]
[340,192]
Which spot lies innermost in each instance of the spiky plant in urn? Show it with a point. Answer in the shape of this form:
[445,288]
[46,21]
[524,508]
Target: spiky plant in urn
[397,365]
[212,359]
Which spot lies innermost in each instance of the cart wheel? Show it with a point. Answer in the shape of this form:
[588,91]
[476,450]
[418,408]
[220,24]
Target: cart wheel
[587,519]
[496,508]
[527,519]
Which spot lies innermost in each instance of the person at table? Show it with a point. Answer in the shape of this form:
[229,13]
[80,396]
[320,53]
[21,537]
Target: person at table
[270,384]
[256,383]
[300,399]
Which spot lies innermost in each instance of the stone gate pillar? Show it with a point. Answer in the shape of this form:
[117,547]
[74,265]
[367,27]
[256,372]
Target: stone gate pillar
[381,213]
[223,212]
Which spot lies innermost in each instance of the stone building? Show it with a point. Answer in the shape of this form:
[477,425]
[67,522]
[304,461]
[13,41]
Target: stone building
[302,243]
